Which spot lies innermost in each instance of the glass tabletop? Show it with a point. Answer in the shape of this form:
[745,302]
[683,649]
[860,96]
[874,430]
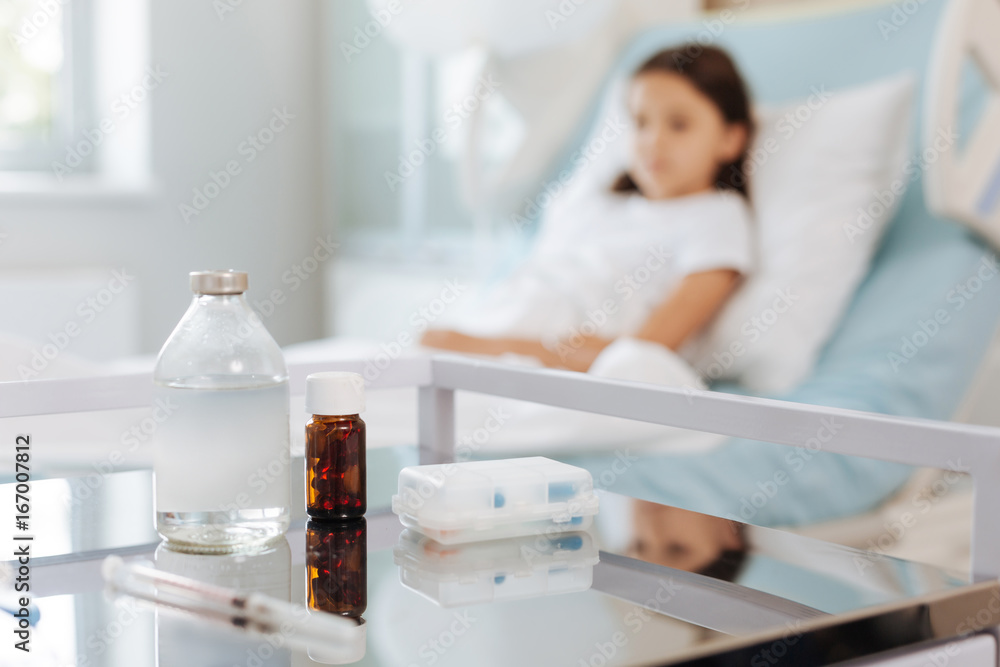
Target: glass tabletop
[648,584]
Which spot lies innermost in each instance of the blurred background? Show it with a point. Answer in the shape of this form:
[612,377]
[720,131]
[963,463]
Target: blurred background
[359,98]
[359,157]
[352,156]
[118,120]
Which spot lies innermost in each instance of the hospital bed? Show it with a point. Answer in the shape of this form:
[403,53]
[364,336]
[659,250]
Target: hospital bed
[923,255]
[889,418]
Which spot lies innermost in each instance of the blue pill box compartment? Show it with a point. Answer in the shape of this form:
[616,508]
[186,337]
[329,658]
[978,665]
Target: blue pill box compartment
[481,500]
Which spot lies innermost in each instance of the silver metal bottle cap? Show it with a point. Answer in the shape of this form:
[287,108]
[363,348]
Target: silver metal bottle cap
[225,281]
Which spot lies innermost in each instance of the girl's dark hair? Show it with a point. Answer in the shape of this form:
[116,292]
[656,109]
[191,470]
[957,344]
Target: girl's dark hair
[712,72]
[730,563]
[727,567]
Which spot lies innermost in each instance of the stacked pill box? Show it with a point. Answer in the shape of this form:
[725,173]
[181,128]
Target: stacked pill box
[455,503]
[481,531]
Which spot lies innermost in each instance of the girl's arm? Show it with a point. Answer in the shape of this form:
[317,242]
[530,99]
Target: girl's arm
[689,307]
[685,312]
[565,356]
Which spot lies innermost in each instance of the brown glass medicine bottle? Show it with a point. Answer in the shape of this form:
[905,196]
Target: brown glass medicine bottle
[335,446]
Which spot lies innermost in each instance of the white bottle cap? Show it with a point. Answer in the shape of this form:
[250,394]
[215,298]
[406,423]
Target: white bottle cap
[335,393]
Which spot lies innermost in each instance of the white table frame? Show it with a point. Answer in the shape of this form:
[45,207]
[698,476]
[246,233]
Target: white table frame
[918,442]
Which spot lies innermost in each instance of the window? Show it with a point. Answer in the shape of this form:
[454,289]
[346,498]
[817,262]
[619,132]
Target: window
[45,80]
[398,127]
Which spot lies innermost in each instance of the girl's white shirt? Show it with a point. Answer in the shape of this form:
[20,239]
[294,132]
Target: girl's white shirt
[601,264]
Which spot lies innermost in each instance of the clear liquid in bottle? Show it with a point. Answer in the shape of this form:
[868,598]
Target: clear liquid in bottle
[221,458]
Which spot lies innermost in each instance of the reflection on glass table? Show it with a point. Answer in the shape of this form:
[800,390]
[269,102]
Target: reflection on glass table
[820,575]
[507,569]
[337,566]
[180,641]
[337,581]
[649,584]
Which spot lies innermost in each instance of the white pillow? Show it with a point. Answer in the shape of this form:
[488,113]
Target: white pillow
[823,175]
[826,176]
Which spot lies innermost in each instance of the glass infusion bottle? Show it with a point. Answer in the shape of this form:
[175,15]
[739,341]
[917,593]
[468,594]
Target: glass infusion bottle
[335,446]
[221,456]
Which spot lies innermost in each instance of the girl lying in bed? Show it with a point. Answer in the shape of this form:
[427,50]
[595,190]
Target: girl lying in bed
[657,261]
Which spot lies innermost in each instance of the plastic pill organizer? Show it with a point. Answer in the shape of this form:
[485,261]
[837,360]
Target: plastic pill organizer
[513,569]
[455,503]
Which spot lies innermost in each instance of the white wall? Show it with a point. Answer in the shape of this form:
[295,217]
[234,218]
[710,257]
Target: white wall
[224,78]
